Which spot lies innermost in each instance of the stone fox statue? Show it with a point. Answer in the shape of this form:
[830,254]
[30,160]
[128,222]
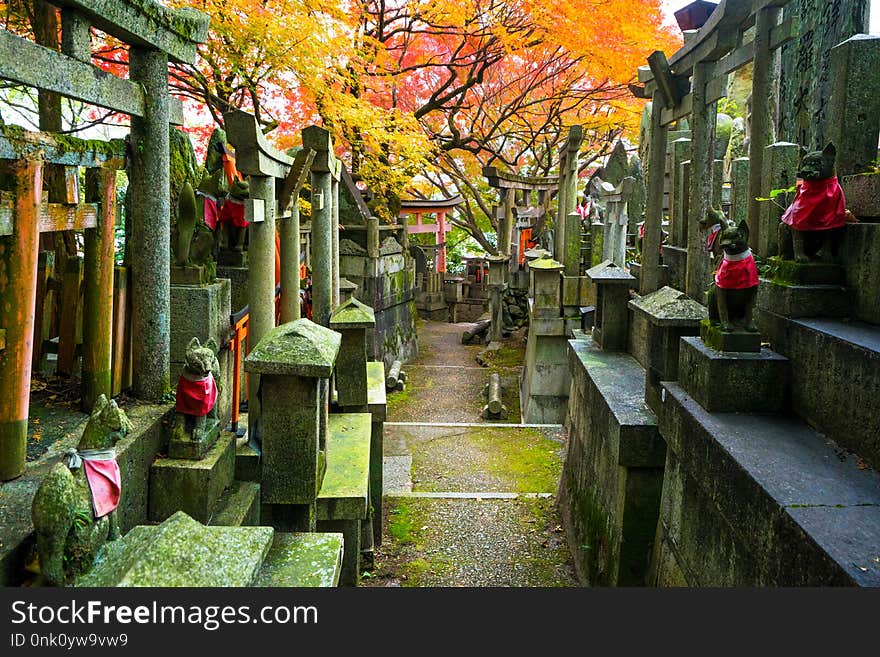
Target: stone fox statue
[197,390]
[732,296]
[812,224]
[74,509]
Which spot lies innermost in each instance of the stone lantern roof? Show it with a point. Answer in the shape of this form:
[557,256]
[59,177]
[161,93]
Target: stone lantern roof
[299,348]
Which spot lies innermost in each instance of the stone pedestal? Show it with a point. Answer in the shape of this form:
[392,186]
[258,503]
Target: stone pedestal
[737,341]
[612,295]
[725,382]
[546,283]
[294,361]
[180,446]
[805,273]
[801,300]
[191,486]
[660,319]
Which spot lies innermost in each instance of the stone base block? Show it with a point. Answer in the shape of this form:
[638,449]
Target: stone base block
[731,382]
[802,300]
[201,312]
[862,195]
[790,272]
[238,278]
[229,258]
[247,463]
[189,275]
[738,341]
[239,506]
[181,445]
[191,486]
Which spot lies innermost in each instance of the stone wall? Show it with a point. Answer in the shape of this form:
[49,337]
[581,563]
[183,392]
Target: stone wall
[386,285]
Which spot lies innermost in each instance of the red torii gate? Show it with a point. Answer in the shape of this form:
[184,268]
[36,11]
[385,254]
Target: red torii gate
[438,207]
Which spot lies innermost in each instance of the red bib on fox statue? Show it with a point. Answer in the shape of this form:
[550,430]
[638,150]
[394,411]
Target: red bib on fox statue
[196,397]
[818,205]
[737,272]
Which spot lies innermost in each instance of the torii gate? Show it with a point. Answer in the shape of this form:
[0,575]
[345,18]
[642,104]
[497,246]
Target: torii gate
[438,207]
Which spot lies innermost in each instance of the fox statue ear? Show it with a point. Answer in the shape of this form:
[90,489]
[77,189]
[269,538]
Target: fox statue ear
[744,229]
[212,345]
[193,344]
[830,150]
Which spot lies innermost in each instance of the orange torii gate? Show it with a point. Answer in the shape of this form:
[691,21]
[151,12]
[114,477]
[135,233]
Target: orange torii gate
[440,208]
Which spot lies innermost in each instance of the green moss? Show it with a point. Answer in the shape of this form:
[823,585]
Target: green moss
[400,523]
[415,570]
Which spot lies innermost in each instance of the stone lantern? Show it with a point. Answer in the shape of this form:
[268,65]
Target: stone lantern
[294,362]
[611,324]
[353,320]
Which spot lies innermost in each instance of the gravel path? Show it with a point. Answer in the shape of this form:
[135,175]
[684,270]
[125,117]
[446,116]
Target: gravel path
[457,537]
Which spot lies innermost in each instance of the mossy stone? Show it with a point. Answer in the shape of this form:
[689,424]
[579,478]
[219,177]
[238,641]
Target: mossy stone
[299,348]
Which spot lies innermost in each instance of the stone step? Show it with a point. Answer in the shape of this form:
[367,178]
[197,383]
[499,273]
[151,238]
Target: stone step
[793,300]
[191,486]
[182,552]
[835,377]
[761,500]
[247,463]
[239,506]
[302,559]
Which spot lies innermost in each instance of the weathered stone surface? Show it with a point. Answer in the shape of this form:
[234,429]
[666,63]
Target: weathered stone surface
[862,195]
[760,500]
[854,103]
[861,249]
[247,463]
[238,278]
[199,311]
[733,381]
[780,166]
[610,489]
[669,307]
[191,486]
[302,560]
[791,272]
[182,552]
[182,446]
[835,377]
[300,348]
[293,457]
[714,337]
[675,260]
[239,506]
[344,491]
[678,185]
[801,300]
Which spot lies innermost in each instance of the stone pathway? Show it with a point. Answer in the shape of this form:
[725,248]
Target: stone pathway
[468,502]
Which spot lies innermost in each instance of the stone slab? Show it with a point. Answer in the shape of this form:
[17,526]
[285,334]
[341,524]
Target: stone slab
[302,560]
[763,500]
[377,398]
[802,300]
[344,491]
[300,348]
[675,260]
[182,552]
[733,381]
[862,195]
[238,506]
[191,486]
[861,253]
